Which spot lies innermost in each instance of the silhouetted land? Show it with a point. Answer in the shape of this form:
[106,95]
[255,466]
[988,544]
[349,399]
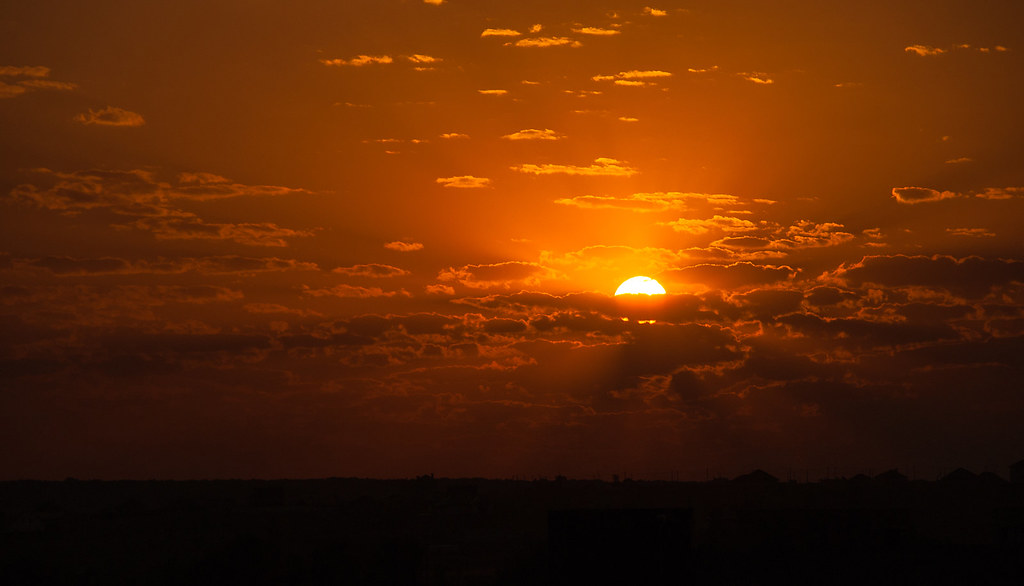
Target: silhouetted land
[965,529]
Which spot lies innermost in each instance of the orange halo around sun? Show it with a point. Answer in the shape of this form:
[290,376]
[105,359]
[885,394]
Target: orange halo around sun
[640,286]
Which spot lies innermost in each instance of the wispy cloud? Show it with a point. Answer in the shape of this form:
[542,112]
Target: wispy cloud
[358,61]
[453,135]
[634,78]
[24,71]
[654,11]
[757,77]
[649,202]
[111,116]
[547,42]
[534,134]
[500,32]
[34,73]
[924,50]
[373,270]
[915,195]
[464,182]
[595,31]
[401,246]
[603,166]
[723,223]
[702,69]
[492,92]
[434,2]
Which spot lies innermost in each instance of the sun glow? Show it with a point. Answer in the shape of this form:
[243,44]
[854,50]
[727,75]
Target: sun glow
[640,286]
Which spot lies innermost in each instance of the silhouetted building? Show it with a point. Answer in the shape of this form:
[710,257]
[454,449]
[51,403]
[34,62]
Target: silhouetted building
[891,477]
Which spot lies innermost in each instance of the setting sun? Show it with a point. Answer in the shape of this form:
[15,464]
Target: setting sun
[640,286]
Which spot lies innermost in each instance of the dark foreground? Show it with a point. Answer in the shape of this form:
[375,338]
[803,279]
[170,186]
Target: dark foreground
[962,530]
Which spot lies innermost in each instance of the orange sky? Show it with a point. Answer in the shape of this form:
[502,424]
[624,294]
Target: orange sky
[380,238]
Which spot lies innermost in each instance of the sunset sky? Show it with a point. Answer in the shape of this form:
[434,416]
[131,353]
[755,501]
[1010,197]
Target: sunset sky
[259,238]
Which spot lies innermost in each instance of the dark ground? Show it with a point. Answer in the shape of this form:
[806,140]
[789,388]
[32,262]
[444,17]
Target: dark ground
[964,529]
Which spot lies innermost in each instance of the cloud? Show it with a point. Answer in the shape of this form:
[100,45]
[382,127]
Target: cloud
[401,246]
[702,70]
[757,77]
[503,274]
[634,77]
[595,31]
[371,270]
[190,227]
[492,92]
[534,134]
[731,276]
[111,116]
[923,50]
[434,2]
[974,232]
[422,60]
[358,61]
[628,119]
[972,276]
[439,289]
[959,160]
[649,202]
[24,71]
[602,167]
[915,195]
[500,32]
[1001,193]
[72,266]
[654,11]
[547,42]
[454,135]
[724,223]
[34,74]
[464,182]
[350,291]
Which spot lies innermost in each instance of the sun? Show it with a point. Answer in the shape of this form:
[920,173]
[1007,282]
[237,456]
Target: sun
[640,286]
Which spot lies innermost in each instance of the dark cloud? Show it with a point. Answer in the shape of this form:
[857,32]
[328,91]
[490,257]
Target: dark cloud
[913,195]
[972,276]
[736,275]
[371,270]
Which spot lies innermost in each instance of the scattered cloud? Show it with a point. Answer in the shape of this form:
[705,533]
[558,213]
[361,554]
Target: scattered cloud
[915,195]
[111,116]
[24,71]
[454,135]
[349,291]
[959,160]
[628,119]
[654,11]
[702,69]
[373,270]
[633,78]
[972,276]
[434,2]
[1000,193]
[492,92]
[464,182]
[503,274]
[534,134]
[757,77]
[230,264]
[595,31]
[547,42]
[973,232]
[602,166]
[401,246]
[649,202]
[923,50]
[536,28]
[723,223]
[358,61]
[500,32]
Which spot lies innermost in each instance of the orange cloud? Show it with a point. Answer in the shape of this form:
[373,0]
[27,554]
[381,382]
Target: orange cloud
[595,31]
[757,77]
[923,50]
[358,61]
[464,182]
[492,92]
[727,224]
[401,246]
[649,202]
[915,195]
[534,134]
[372,270]
[548,42]
[111,116]
[503,274]
[602,167]
[654,11]
[500,32]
